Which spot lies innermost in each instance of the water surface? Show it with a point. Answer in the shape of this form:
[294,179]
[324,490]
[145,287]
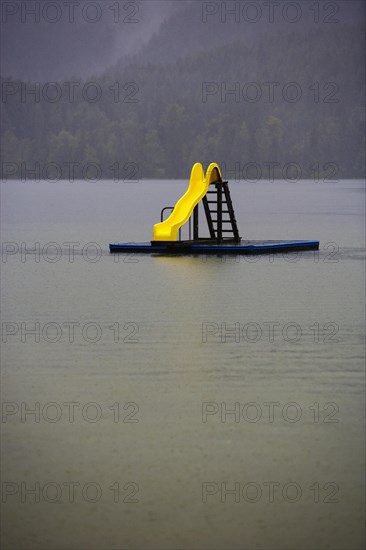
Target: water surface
[198,337]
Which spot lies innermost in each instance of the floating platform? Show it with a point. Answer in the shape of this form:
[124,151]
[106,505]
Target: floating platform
[194,247]
[214,193]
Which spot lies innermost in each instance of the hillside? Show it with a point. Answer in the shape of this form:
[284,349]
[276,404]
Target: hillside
[296,99]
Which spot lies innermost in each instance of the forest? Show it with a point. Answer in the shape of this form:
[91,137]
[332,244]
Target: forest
[281,105]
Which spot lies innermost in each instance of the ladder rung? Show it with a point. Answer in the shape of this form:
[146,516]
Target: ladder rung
[223,211]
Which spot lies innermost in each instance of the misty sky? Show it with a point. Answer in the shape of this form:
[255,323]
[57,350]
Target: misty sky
[34,47]
[82,38]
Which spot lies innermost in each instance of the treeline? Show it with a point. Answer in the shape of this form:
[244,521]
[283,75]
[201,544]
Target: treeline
[288,100]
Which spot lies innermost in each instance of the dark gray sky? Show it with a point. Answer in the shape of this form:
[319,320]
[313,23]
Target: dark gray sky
[46,40]
[50,40]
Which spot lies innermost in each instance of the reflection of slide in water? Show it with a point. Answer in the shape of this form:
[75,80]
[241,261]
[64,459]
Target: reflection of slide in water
[197,189]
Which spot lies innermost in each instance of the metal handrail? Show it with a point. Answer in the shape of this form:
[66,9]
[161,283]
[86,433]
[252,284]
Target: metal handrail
[180,229]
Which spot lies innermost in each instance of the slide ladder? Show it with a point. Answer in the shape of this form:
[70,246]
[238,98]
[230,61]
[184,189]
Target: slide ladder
[218,202]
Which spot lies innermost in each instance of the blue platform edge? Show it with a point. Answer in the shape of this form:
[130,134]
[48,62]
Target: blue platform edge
[244,247]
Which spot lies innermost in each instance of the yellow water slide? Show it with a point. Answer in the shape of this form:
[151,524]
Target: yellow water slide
[197,189]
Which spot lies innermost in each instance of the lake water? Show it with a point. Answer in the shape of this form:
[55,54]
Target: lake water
[181,402]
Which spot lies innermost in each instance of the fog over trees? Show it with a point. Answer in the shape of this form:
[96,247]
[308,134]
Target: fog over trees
[187,82]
